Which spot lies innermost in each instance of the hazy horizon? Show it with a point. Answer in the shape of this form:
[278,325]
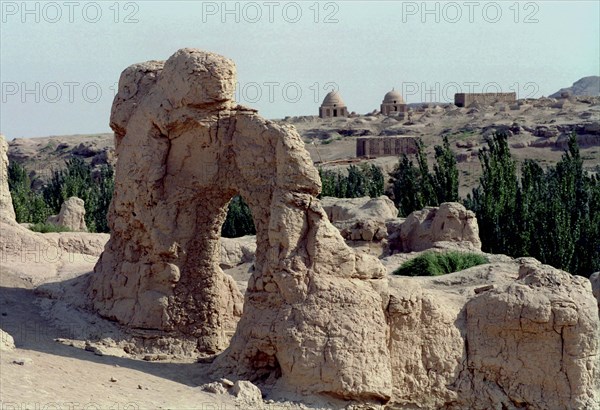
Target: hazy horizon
[60,61]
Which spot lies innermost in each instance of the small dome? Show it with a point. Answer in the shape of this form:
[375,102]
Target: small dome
[333,98]
[393,97]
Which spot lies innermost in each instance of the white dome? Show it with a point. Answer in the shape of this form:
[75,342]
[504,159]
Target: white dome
[333,98]
[393,97]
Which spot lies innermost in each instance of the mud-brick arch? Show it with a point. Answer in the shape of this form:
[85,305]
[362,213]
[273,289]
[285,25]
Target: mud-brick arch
[313,312]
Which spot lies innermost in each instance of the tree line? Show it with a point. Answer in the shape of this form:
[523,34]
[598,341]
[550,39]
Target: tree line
[359,181]
[414,187]
[78,179]
[551,214]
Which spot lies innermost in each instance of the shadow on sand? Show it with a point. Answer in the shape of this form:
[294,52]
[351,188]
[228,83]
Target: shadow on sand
[21,315]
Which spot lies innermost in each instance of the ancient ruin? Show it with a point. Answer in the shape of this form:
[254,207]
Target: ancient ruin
[497,336]
[385,146]
[466,99]
[393,104]
[71,215]
[318,316]
[450,222]
[361,219]
[333,106]
[184,150]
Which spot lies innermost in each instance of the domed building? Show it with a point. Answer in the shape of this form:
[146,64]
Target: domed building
[333,106]
[393,104]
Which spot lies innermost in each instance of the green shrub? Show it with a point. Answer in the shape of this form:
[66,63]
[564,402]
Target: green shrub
[43,227]
[436,263]
[78,179]
[29,206]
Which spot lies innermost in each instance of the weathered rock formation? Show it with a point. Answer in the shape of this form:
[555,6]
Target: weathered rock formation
[313,312]
[534,341]
[235,251]
[595,279]
[504,335]
[39,256]
[343,209]
[71,215]
[318,317]
[7,342]
[450,222]
[7,212]
[360,219]
[426,346]
[79,242]
[586,86]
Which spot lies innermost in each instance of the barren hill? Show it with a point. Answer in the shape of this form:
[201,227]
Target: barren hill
[586,86]
[41,156]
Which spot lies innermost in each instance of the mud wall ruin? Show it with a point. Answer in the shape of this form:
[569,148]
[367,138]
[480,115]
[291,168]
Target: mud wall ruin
[385,146]
[184,150]
[318,316]
[466,99]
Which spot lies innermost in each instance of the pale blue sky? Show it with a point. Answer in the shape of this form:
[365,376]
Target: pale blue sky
[59,73]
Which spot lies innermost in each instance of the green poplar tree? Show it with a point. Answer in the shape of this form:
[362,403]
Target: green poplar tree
[445,174]
[29,206]
[494,200]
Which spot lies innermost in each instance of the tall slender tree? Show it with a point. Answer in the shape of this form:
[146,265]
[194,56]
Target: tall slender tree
[414,186]
[553,215]
[29,206]
[362,180]
[445,173]
[494,200]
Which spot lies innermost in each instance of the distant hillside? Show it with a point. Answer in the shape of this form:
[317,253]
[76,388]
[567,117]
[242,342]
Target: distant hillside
[41,156]
[586,86]
[538,130]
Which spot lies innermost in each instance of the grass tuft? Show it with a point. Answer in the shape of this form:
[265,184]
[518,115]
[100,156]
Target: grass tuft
[437,263]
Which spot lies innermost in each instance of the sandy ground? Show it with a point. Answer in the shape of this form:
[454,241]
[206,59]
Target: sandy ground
[57,376]
[50,367]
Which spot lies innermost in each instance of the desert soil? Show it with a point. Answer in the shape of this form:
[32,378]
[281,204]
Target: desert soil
[50,367]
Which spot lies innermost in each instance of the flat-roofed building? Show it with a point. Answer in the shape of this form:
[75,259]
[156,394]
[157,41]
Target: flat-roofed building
[385,146]
[466,99]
